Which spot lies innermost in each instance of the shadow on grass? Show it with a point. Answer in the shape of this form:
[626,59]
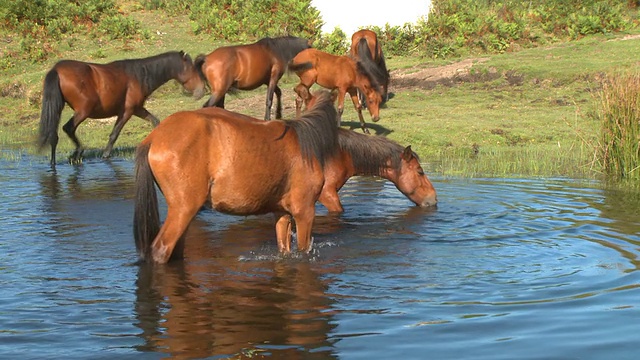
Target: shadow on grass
[374,128]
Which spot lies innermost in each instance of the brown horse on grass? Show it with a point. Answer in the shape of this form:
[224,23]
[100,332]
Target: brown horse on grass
[365,46]
[236,164]
[342,73]
[246,67]
[98,91]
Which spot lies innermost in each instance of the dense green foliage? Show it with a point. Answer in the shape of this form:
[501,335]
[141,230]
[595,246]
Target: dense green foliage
[459,27]
[41,23]
[619,148]
[454,27]
[243,20]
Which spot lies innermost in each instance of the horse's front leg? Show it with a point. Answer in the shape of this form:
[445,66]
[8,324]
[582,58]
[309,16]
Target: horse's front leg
[304,224]
[120,121]
[278,102]
[358,106]
[283,232]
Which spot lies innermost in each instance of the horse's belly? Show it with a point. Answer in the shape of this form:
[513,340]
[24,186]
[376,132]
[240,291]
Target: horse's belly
[238,202]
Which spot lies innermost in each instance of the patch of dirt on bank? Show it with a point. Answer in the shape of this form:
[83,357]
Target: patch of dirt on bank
[448,75]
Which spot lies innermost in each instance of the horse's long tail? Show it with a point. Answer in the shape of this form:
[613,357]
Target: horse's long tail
[198,63]
[300,66]
[146,219]
[52,105]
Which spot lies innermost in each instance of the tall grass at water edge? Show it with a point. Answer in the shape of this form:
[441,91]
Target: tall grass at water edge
[618,111]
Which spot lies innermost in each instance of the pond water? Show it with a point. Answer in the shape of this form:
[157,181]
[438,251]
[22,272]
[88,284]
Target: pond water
[502,269]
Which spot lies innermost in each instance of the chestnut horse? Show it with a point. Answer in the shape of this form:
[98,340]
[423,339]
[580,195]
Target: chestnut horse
[342,73]
[237,165]
[98,91]
[246,67]
[375,156]
[365,46]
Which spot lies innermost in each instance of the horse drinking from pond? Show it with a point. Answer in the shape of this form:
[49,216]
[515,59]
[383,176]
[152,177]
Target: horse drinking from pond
[98,91]
[361,154]
[342,73]
[365,46]
[236,164]
[246,67]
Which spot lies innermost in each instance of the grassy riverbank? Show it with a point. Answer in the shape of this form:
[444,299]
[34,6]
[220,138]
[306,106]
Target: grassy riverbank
[527,113]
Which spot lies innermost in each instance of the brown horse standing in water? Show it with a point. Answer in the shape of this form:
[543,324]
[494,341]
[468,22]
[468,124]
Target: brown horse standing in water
[365,46]
[236,164]
[375,156]
[342,73]
[246,67]
[98,91]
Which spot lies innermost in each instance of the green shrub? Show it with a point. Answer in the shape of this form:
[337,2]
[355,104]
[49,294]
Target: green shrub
[42,23]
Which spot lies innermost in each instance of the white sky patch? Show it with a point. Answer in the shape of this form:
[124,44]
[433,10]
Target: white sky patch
[350,15]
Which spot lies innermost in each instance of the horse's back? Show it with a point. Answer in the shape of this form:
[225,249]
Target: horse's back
[247,161]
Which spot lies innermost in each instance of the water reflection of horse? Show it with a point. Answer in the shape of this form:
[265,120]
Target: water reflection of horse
[342,73]
[238,165]
[234,307]
[365,46]
[119,88]
[246,67]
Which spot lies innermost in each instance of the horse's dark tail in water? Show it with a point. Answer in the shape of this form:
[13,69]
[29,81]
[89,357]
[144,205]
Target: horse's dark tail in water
[146,219]
[52,104]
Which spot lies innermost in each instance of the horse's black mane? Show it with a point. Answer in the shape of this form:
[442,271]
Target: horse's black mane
[317,129]
[377,69]
[370,154]
[285,47]
[154,71]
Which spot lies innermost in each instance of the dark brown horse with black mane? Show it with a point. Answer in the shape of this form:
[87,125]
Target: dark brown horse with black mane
[365,46]
[237,165]
[246,67]
[98,91]
[342,73]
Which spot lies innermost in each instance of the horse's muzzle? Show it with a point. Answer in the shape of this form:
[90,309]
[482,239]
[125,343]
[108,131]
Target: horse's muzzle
[375,118]
[429,202]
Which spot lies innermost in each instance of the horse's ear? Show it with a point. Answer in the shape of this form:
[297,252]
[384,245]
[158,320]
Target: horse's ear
[407,154]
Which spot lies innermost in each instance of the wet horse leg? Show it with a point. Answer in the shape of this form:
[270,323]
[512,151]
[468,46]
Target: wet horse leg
[283,232]
[174,227]
[70,129]
[304,223]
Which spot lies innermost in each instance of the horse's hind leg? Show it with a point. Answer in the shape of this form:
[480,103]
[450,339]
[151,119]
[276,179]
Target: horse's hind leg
[114,134]
[283,232]
[173,229]
[70,129]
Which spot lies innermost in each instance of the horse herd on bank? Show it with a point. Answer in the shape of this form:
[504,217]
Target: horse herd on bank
[232,162]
